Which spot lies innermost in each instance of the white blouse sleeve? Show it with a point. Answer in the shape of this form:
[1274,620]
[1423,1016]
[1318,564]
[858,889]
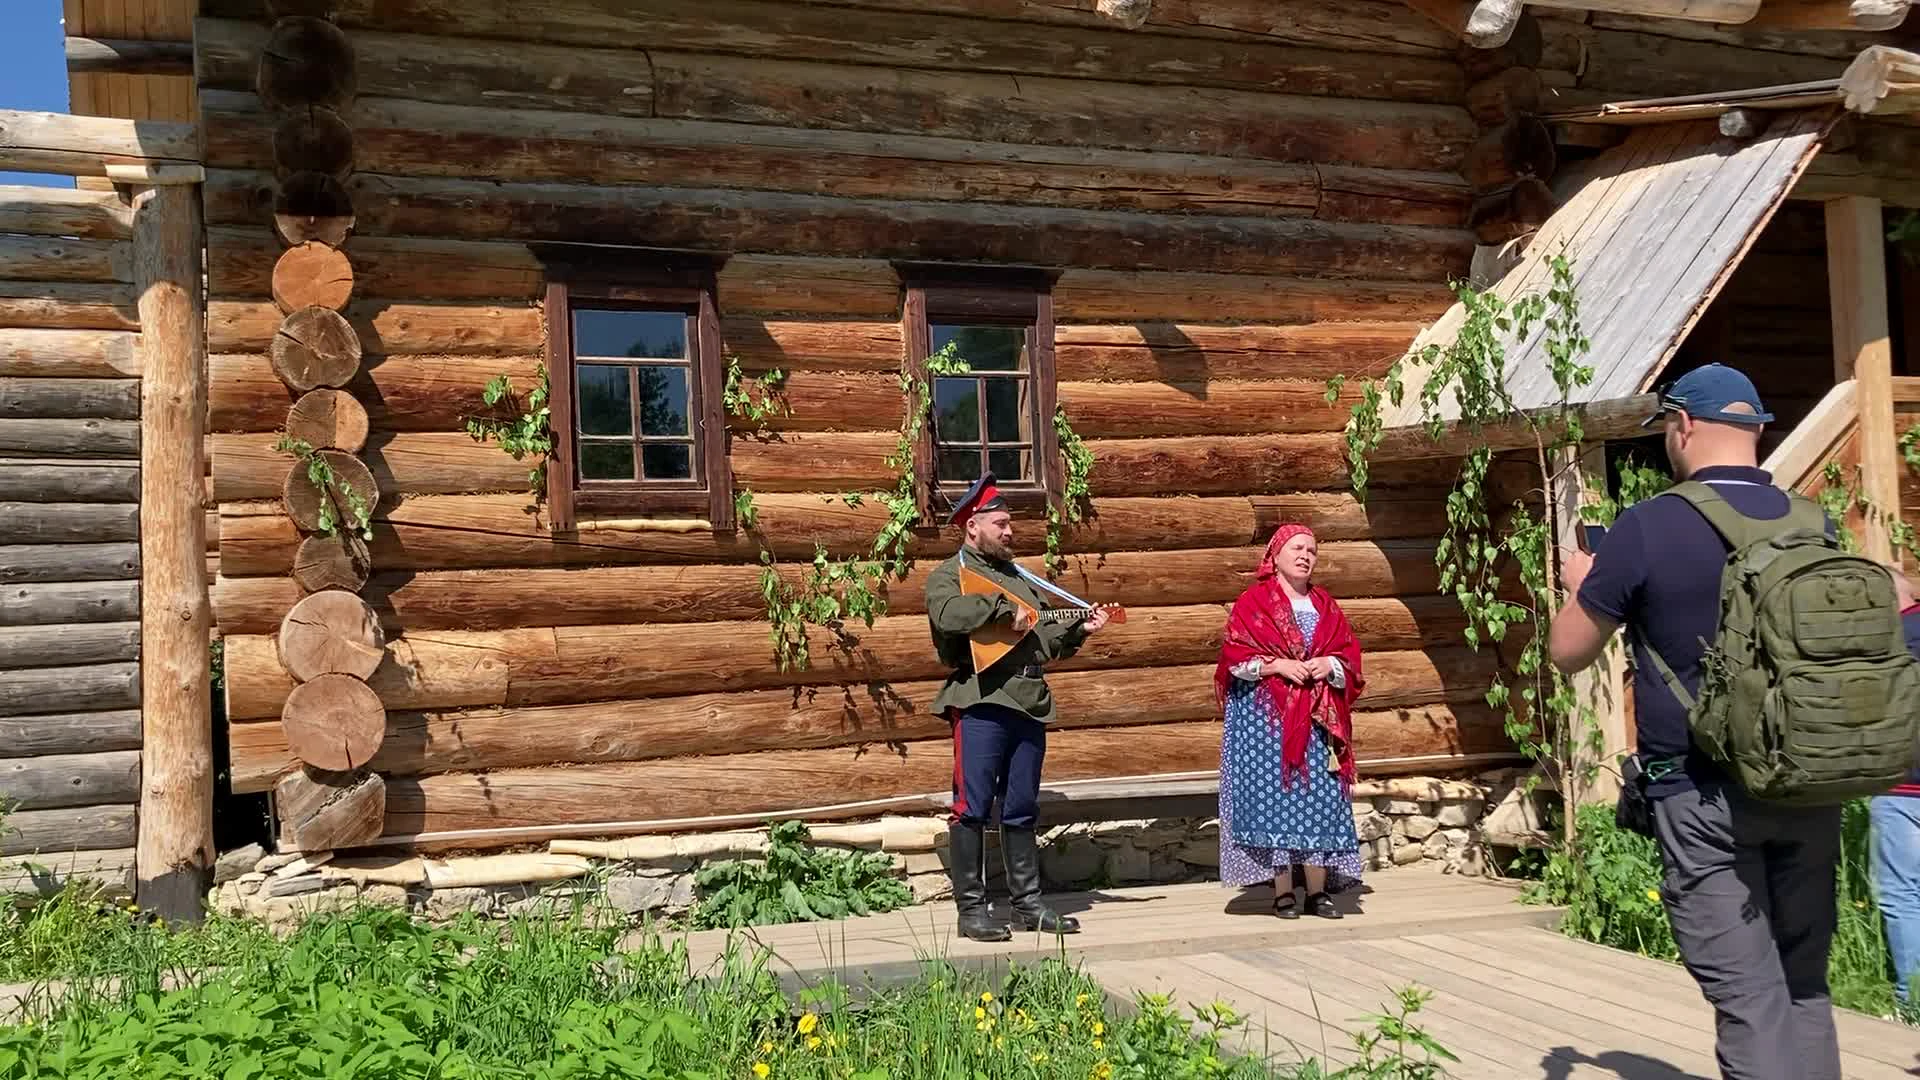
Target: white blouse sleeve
[1247,670]
[1338,676]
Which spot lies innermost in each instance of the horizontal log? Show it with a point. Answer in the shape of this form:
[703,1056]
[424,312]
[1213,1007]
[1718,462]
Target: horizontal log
[86,145]
[72,733]
[891,712]
[87,688]
[1123,296]
[121,57]
[64,482]
[497,599]
[924,41]
[51,211]
[420,140]
[108,873]
[79,828]
[1247,465]
[56,780]
[69,562]
[433,670]
[69,353]
[448,68]
[781,781]
[68,523]
[48,305]
[51,604]
[383,327]
[1178,353]
[43,258]
[1370,25]
[792,224]
[43,646]
[1219,407]
[433,533]
[107,399]
[69,438]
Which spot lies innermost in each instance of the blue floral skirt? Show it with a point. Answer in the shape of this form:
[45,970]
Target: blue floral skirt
[1264,828]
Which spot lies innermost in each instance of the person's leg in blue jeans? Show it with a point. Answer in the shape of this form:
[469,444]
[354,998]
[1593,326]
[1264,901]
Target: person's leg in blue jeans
[1896,883]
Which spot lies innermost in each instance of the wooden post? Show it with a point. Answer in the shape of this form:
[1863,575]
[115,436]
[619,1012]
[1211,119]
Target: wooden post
[1580,479]
[1863,351]
[175,850]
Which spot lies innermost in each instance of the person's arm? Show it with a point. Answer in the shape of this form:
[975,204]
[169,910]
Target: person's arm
[955,612]
[1062,640]
[1599,590]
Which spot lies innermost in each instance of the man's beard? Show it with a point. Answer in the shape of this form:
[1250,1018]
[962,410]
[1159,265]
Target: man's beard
[994,549]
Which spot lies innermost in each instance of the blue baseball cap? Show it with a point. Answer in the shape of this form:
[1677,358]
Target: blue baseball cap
[1705,393]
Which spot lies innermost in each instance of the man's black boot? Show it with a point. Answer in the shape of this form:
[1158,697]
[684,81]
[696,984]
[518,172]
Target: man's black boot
[967,866]
[1022,850]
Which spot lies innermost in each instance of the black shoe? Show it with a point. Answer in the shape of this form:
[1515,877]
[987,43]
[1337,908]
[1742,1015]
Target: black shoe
[1286,907]
[1322,905]
[967,859]
[1022,851]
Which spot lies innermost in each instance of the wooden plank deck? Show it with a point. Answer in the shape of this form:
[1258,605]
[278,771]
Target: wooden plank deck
[1511,997]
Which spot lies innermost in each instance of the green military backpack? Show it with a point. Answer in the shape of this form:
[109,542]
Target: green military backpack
[1808,694]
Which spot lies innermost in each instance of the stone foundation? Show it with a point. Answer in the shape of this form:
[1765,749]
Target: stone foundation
[1400,822]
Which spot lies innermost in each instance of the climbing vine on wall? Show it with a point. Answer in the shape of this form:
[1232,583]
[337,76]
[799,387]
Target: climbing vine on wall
[336,495]
[1476,560]
[526,428]
[1076,499]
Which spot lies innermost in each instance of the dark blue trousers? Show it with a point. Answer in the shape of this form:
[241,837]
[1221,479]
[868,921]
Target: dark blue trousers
[997,753]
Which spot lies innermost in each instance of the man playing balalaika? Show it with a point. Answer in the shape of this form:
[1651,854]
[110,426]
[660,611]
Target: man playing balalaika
[999,712]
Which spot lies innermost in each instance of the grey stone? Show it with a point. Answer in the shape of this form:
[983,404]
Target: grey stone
[1200,852]
[1118,830]
[1457,838]
[1471,863]
[929,887]
[925,862]
[1396,807]
[637,895]
[1406,855]
[1397,830]
[269,863]
[384,895]
[1372,826]
[1420,826]
[449,903]
[298,885]
[1459,815]
[681,897]
[1435,847]
[1072,862]
[1130,866]
[234,864]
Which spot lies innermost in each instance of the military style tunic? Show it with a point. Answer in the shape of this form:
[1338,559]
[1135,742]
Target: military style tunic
[1018,681]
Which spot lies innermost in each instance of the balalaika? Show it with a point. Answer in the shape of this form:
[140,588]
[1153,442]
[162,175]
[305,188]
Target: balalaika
[991,643]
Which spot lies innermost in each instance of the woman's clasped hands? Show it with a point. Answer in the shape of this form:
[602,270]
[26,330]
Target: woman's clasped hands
[1298,672]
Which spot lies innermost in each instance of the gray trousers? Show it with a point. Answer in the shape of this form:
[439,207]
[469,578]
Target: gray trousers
[1749,890]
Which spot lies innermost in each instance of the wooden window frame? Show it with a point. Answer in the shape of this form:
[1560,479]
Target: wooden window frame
[686,286]
[987,296]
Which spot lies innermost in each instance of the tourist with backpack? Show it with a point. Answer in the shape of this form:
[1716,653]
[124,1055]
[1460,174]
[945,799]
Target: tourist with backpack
[1771,684]
[1896,844]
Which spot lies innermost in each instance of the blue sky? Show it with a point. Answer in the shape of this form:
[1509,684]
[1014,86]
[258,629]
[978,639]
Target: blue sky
[33,68]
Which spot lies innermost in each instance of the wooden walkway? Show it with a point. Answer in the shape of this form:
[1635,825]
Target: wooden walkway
[1511,997]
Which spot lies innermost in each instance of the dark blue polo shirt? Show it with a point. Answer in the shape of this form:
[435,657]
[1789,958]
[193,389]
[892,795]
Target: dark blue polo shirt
[1657,573]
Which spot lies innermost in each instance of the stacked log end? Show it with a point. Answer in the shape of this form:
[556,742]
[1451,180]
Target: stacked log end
[1512,163]
[330,642]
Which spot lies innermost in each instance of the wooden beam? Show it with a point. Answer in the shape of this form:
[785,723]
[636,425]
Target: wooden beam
[1859,15]
[1580,480]
[175,850]
[1611,419]
[1708,11]
[1863,351]
[1483,24]
[121,57]
[1805,450]
[86,145]
[1882,81]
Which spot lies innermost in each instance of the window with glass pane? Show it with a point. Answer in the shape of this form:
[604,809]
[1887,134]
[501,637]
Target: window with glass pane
[634,380]
[984,421]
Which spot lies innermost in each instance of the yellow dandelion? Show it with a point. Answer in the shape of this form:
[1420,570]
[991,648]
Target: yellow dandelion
[999,1042]
[1653,894]
[1079,999]
[1039,1058]
[981,1026]
[766,1048]
[979,1013]
[807,1023]
[760,1070]
[1099,1028]
[985,997]
[833,1040]
[813,1042]
[1861,904]
[1097,1044]
[1102,1071]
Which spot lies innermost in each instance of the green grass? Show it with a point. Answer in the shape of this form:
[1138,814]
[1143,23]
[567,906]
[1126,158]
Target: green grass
[1613,898]
[373,995]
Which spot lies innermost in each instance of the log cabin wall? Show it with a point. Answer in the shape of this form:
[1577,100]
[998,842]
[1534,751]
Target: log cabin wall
[69,535]
[1241,198]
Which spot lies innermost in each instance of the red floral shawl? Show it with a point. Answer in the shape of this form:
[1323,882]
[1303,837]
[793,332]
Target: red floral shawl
[1262,626]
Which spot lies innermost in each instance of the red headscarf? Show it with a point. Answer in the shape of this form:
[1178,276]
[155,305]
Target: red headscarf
[1262,626]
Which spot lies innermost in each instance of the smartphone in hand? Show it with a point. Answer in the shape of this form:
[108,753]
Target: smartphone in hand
[1590,537]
